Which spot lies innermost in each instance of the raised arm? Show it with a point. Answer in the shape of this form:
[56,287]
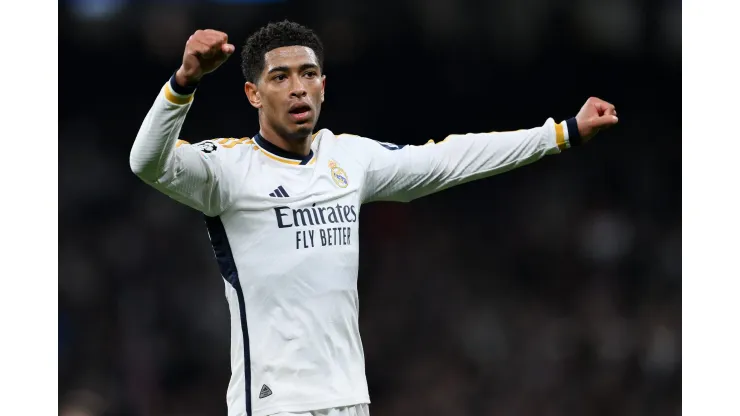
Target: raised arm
[191,174]
[404,173]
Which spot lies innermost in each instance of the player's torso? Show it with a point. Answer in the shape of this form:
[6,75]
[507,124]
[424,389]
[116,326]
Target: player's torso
[294,215]
[293,230]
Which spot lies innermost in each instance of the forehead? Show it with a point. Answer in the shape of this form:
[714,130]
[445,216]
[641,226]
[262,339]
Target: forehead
[290,56]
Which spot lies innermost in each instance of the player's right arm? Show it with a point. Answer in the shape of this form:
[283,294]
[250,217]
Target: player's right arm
[189,174]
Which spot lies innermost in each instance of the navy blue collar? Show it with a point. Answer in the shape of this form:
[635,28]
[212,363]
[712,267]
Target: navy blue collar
[263,143]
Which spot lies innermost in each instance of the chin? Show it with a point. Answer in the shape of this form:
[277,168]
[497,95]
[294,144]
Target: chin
[300,131]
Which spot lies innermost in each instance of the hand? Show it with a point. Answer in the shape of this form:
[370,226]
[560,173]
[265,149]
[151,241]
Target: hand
[595,116]
[205,51]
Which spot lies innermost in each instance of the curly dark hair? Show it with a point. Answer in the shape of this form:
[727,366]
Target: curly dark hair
[277,35]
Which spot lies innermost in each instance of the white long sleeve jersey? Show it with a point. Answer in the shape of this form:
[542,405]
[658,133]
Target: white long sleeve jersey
[284,230]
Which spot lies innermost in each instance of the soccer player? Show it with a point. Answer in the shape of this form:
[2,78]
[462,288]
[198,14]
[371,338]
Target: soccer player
[282,210]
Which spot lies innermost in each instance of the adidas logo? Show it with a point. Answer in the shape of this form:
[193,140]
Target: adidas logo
[279,193]
[265,391]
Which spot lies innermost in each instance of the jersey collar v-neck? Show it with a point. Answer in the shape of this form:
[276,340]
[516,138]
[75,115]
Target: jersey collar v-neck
[282,155]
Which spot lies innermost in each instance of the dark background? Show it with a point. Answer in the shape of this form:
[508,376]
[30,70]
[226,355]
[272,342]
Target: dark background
[554,289]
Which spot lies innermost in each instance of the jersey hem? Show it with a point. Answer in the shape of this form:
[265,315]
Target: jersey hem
[311,406]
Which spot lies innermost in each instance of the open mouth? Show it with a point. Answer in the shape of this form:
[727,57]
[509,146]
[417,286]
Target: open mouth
[300,112]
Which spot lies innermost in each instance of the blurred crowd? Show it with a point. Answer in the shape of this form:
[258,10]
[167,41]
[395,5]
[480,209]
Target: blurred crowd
[551,290]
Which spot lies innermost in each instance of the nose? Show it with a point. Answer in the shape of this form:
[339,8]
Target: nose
[297,89]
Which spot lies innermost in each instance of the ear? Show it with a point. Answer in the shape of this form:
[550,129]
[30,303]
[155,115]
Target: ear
[253,95]
[323,87]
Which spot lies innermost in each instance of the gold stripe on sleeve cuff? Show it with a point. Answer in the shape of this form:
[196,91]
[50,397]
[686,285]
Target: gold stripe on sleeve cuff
[176,98]
[560,137]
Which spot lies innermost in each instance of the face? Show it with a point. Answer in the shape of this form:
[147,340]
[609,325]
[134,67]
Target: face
[289,92]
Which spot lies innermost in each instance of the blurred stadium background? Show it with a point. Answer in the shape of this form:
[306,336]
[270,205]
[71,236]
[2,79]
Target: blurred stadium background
[551,290]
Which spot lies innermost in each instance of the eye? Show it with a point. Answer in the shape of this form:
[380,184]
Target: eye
[280,77]
[311,74]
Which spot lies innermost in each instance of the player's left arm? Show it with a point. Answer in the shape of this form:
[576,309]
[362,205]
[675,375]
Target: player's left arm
[404,173]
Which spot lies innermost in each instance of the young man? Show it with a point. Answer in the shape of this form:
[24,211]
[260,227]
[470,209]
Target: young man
[282,211]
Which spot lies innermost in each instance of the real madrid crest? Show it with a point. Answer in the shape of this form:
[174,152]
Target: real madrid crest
[338,175]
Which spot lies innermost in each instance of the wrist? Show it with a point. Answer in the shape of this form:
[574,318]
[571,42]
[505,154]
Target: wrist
[574,135]
[178,92]
[185,82]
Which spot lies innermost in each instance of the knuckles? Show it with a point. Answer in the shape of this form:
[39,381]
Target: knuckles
[203,42]
[210,37]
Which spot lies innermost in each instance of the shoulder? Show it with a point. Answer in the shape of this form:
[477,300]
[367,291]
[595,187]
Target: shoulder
[359,142]
[350,145]
[222,148]
[328,135]
[363,150]
[344,137]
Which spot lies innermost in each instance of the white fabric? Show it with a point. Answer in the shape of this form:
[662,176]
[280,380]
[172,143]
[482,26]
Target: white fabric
[296,257]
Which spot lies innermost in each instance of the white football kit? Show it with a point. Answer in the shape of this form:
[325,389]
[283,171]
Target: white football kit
[284,229]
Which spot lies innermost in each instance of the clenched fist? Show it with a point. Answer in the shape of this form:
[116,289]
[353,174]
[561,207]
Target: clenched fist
[594,116]
[205,51]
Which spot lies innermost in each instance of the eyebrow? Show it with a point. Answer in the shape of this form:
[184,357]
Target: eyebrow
[286,69]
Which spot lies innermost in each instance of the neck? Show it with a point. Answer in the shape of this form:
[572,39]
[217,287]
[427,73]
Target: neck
[300,146]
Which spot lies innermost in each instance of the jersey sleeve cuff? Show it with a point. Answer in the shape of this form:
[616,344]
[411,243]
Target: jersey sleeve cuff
[561,136]
[567,135]
[177,94]
[573,135]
